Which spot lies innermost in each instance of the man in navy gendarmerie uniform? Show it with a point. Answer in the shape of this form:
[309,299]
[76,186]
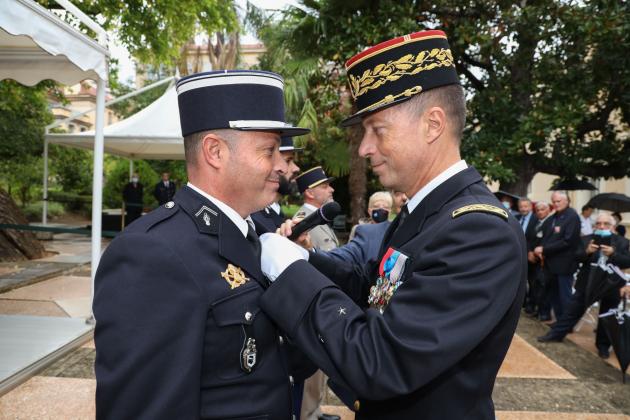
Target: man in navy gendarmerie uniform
[179,332]
[271,217]
[422,332]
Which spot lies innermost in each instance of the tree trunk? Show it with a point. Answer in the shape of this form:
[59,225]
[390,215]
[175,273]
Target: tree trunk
[16,245]
[525,174]
[182,62]
[357,181]
[223,55]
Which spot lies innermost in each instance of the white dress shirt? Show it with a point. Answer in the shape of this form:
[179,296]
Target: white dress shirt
[434,183]
[275,206]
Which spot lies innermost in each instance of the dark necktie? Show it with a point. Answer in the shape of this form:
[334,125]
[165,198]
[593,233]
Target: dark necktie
[404,212]
[252,237]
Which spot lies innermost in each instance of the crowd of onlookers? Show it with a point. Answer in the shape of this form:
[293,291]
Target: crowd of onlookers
[566,255]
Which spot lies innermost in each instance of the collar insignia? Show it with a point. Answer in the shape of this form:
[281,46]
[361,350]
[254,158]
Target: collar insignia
[204,209]
[206,219]
[234,276]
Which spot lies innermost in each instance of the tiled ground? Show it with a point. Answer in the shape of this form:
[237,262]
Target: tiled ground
[559,381]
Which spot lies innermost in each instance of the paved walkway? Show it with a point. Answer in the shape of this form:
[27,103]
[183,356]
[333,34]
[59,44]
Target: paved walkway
[536,382]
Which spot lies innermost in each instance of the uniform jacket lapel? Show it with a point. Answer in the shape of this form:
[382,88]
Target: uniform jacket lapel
[233,246]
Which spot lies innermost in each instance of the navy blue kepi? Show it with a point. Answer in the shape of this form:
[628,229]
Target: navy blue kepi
[236,99]
[286,145]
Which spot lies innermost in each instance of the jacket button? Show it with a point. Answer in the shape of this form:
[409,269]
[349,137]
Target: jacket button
[248,316]
[281,340]
[357,405]
[169,205]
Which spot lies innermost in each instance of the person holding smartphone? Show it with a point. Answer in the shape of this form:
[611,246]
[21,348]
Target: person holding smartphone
[602,246]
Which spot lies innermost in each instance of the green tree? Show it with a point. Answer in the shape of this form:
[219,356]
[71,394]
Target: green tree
[71,169]
[155,31]
[309,45]
[24,114]
[547,81]
[22,178]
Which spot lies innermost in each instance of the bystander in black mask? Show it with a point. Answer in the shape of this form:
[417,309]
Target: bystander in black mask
[379,215]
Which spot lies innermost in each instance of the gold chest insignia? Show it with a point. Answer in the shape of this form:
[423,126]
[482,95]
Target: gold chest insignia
[234,276]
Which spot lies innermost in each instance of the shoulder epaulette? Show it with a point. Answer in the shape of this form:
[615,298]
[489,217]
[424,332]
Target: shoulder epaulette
[483,208]
[155,217]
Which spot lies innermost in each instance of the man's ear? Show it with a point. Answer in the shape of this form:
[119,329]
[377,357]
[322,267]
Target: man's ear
[435,123]
[214,150]
[308,193]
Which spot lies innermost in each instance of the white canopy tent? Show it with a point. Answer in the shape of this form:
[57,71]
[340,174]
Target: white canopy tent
[152,133]
[36,45]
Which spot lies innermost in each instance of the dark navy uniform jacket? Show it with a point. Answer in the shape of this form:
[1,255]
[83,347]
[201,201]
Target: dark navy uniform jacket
[170,329]
[562,242]
[435,350]
[267,220]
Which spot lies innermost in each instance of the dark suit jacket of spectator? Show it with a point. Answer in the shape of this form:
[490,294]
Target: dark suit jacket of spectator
[132,194]
[530,230]
[164,194]
[561,242]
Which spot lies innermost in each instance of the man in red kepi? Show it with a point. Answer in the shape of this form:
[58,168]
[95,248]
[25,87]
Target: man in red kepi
[422,331]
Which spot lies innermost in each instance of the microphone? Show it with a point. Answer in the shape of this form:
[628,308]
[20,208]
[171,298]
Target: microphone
[323,215]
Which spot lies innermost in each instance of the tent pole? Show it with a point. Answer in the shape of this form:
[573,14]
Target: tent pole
[97,186]
[45,192]
[130,169]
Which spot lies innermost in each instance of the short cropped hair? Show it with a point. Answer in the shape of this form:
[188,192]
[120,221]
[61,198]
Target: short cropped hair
[381,196]
[450,98]
[192,142]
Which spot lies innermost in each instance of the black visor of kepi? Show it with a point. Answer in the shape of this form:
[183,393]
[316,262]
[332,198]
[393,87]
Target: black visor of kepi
[238,99]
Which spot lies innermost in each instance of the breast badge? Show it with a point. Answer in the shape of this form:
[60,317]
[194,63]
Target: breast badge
[390,272]
[249,355]
[234,276]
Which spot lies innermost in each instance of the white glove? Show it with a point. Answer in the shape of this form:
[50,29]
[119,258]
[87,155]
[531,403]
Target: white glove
[278,253]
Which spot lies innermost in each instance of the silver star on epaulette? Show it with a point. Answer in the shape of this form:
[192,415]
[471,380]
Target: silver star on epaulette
[342,311]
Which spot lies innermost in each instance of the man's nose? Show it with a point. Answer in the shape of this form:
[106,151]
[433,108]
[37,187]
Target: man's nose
[281,166]
[366,148]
